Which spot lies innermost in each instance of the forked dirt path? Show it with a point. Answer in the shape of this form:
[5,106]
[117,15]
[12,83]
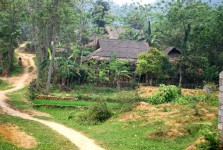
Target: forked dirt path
[19,82]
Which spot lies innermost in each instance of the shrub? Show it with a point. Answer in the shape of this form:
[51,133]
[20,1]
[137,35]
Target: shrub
[185,99]
[165,94]
[97,113]
[212,139]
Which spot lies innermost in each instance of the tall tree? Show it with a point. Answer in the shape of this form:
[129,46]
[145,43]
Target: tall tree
[151,64]
[52,46]
[100,14]
[9,30]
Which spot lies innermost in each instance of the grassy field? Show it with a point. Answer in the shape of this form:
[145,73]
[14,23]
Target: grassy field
[138,130]
[39,132]
[63,103]
[4,85]
[158,127]
[92,93]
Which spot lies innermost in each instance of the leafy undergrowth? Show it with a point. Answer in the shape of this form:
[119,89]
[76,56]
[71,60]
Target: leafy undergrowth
[173,94]
[166,126]
[4,85]
[36,130]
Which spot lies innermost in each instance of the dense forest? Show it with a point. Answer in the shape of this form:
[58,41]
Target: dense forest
[194,27]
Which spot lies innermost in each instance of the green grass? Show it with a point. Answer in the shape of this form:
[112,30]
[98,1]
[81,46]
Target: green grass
[92,93]
[4,85]
[68,103]
[30,69]
[46,138]
[115,134]
[19,99]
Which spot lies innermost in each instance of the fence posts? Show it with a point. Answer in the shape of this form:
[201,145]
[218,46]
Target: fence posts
[220,113]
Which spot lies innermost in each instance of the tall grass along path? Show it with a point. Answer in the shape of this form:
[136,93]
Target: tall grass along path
[81,141]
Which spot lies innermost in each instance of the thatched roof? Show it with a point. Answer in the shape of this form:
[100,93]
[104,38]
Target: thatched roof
[122,49]
[171,49]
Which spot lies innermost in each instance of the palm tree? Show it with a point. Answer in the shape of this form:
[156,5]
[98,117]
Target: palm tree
[120,69]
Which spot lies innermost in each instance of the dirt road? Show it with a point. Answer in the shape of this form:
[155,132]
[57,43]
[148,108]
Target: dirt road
[19,82]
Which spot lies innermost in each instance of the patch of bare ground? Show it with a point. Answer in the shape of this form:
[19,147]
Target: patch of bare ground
[170,133]
[175,117]
[36,113]
[145,106]
[146,91]
[11,133]
[130,116]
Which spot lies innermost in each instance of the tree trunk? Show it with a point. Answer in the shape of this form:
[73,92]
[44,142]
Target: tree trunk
[37,53]
[186,37]
[1,60]
[10,57]
[180,79]
[118,83]
[54,23]
[147,78]
[151,81]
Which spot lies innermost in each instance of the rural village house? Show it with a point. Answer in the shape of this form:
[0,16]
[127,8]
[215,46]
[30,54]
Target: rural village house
[122,49]
[172,53]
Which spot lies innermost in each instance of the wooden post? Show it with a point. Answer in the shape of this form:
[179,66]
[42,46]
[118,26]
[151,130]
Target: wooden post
[220,113]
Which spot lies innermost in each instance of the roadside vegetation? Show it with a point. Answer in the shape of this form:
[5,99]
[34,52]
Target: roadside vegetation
[4,85]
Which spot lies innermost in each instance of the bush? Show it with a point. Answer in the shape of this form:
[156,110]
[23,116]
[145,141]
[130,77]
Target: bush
[185,99]
[212,139]
[165,94]
[97,113]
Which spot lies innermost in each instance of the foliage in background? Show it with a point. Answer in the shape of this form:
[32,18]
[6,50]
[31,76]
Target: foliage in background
[151,64]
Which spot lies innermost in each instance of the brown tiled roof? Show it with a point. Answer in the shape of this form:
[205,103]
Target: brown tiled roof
[122,49]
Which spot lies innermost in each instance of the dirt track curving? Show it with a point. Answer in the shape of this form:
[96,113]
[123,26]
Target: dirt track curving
[19,82]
